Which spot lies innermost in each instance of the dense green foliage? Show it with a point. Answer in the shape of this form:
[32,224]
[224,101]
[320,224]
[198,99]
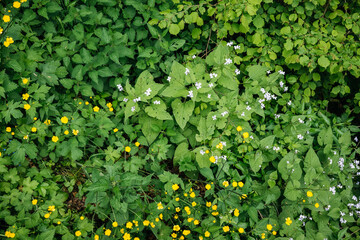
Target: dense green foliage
[179,119]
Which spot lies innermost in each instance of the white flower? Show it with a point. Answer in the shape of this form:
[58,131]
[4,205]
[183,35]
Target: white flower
[168,78]
[198,85]
[248,108]
[224,113]
[289,103]
[243,114]
[120,87]
[356,139]
[214,117]
[209,95]
[300,137]
[285,89]
[262,105]
[193,56]
[237,71]
[147,92]
[229,44]
[213,75]
[187,71]
[277,116]
[137,99]
[251,137]
[211,85]
[125,99]
[281,72]
[300,120]
[228,61]
[327,208]
[281,84]
[190,94]
[236,47]
[133,108]
[268,71]
[157,102]
[262,90]
[202,152]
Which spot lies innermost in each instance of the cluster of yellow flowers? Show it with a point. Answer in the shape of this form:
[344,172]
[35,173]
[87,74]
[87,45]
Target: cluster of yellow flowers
[9,234]
[50,210]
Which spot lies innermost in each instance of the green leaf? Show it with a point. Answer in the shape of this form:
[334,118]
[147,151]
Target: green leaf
[174,29]
[255,163]
[291,191]
[47,235]
[323,62]
[158,111]
[258,21]
[14,64]
[206,130]
[311,161]
[180,151]
[182,111]
[175,44]
[257,72]
[146,123]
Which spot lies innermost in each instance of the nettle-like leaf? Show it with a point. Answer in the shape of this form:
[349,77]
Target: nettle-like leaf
[157,109]
[182,111]
[145,86]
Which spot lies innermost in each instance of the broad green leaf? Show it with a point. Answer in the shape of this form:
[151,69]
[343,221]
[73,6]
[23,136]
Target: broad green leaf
[158,111]
[311,161]
[323,62]
[255,163]
[182,111]
[174,29]
[206,130]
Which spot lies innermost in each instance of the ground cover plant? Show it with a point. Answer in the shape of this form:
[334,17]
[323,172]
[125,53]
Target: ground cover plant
[179,119]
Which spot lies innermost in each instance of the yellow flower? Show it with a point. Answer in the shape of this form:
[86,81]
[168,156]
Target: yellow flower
[226,228]
[78,233]
[317,205]
[80,103]
[58,222]
[47,122]
[245,134]
[146,222]
[212,159]
[129,225]
[174,235]
[109,105]
[206,151]
[127,236]
[34,201]
[214,207]
[96,237]
[225,183]
[82,218]
[86,103]
[26,137]
[12,133]
[64,120]
[54,139]
[236,212]
[207,234]
[115,224]
[9,234]
[157,219]
[243,196]
[33,129]
[269,227]
[239,128]
[96,109]
[107,232]
[176,228]
[240,184]
[241,230]
[51,208]
[116,130]
[186,232]
[160,206]
[6,44]
[208,186]
[152,224]
[75,132]
[35,118]
[1,30]
[16,4]
[66,132]
[274,233]
[196,222]
[8,129]
[47,215]
[193,204]
[25,80]
[177,209]
[288,221]
[6,18]
[208,204]
[127,149]
[27,106]
[309,194]
[137,144]
[263,235]
[177,199]
[175,187]
[25,96]
[192,195]
[176,216]
[234,184]
[161,216]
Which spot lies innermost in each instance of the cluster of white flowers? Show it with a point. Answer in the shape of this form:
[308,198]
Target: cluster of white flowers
[236,47]
[276,148]
[281,72]
[228,61]
[281,84]
[299,136]
[248,108]
[202,152]
[300,120]
[168,78]
[224,113]
[333,190]
[191,94]
[137,99]
[302,217]
[237,71]
[213,75]
[147,92]
[330,160]
[133,108]
[125,99]
[214,117]
[198,85]
[193,56]
[327,208]
[157,102]
[187,71]
[229,44]
[120,87]
[211,85]
[341,163]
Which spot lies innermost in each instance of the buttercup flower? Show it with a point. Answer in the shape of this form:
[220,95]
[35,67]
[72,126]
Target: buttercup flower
[107,232]
[175,187]
[25,96]
[27,106]
[239,128]
[226,228]
[208,186]
[33,129]
[25,80]
[127,149]
[34,201]
[96,109]
[16,4]
[64,120]
[269,227]
[241,230]
[245,134]
[176,228]
[137,144]
[78,233]
[6,18]
[54,139]
[207,234]
[8,129]
[288,221]
[309,194]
